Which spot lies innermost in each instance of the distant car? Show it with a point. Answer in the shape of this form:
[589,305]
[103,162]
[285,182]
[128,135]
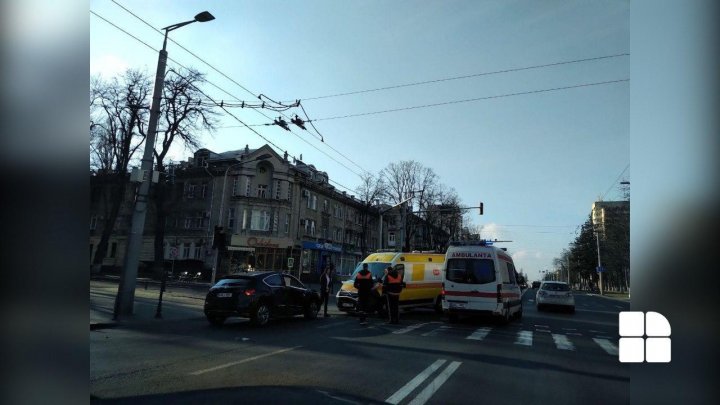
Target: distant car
[555,294]
[260,296]
[535,284]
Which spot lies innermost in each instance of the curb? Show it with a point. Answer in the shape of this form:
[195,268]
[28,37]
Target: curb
[102,325]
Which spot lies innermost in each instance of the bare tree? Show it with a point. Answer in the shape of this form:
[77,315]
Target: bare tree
[372,188]
[407,179]
[183,118]
[116,131]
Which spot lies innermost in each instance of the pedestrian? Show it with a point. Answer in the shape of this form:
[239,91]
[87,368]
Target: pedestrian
[392,287]
[364,284]
[326,281]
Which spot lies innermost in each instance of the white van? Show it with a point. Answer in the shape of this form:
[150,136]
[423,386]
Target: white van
[480,279]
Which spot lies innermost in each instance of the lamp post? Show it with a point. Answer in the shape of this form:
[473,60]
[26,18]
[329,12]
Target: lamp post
[126,290]
[222,205]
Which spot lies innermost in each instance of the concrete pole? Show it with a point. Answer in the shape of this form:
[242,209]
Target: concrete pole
[600,286]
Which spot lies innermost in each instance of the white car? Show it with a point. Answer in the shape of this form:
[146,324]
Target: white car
[555,294]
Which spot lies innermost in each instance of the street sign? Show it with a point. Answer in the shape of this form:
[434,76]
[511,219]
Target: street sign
[173,252]
[600,269]
[291,261]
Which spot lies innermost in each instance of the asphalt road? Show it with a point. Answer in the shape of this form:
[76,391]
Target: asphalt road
[547,357]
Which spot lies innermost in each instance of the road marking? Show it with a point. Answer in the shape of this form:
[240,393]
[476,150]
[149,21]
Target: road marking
[618,307]
[569,329]
[331,325]
[562,342]
[604,337]
[524,338]
[411,327]
[428,392]
[574,333]
[610,348]
[410,386]
[234,363]
[541,326]
[479,334]
[435,331]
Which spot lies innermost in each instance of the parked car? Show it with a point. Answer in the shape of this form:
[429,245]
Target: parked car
[535,284]
[555,294]
[260,296]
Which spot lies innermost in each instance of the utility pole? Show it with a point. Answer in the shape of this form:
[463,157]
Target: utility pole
[600,273]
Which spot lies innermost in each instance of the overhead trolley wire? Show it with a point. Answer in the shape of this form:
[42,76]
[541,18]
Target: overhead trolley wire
[226,92]
[468,76]
[472,99]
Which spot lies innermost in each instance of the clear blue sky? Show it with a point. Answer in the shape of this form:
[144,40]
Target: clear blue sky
[537,161]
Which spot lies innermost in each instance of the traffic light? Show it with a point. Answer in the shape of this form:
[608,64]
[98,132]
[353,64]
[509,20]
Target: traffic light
[481,208]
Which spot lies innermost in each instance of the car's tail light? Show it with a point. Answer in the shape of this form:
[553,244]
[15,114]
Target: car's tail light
[442,292]
[499,293]
[249,292]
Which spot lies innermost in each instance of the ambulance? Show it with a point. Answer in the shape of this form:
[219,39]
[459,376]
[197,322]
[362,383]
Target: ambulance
[480,279]
[422,276]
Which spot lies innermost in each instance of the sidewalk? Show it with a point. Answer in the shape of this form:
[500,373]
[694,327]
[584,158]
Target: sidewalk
[180,302]
[177,304]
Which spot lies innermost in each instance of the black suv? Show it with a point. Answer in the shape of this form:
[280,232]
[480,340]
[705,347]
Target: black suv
[260,296]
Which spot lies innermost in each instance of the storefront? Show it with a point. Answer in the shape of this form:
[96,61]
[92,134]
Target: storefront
[315,256]
[260,253]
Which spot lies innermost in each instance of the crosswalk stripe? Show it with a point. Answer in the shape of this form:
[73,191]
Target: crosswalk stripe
[606,345]
[410,386]
[435,331]
[524,338]
[409,328]
[479,334]
[428,392]
[562,342]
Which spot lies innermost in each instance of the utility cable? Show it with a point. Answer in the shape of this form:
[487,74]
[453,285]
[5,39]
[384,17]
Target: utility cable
[244,88]
[472,99]
[226,92]
[614,182]
[468,76]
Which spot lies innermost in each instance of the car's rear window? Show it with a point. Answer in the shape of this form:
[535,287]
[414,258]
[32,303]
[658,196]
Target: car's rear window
[234,282]
[555,287]
[471,271]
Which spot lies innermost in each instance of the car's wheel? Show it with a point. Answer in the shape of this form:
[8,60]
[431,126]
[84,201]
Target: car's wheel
[453,318]
[261,315]
[216,320]
[505,317]
[572,310]
[311,310]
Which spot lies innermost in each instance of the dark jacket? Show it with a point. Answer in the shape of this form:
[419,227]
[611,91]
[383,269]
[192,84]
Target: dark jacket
[324,287]
[390,287]
[364,285]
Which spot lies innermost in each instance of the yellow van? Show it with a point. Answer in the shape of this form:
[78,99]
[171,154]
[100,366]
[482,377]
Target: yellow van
[423,277]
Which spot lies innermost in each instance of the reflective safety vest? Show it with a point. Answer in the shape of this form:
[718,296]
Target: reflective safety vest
[394,280]
[359,276]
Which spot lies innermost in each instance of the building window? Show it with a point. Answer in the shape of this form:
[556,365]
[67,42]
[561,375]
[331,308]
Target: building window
[312,228]
[325,206]
[287,223]
[391,238]
[260,220]
[314,202]
[235,186]
[188,222]
[203,191]
[262,190]
[277,189]
[244,219]
[309,201]
[191,191]
[186,251]
[113,249]
[231,219]
[196,252]
[247,186]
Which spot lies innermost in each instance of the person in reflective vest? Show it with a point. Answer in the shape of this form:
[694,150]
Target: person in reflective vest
[392,287]
[364,284]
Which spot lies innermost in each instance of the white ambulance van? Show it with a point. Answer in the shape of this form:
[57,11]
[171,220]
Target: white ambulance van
[480,279]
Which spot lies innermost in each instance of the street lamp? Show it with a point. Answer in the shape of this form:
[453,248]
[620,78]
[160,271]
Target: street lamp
[222,205]
[126,290]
